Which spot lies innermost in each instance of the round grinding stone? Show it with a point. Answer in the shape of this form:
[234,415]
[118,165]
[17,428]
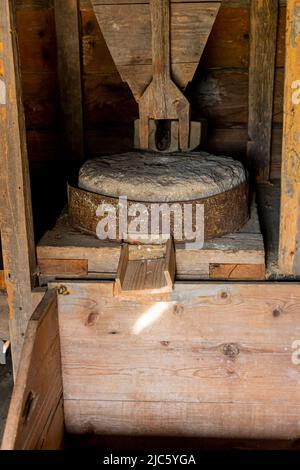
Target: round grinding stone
[153,177]
[217,183]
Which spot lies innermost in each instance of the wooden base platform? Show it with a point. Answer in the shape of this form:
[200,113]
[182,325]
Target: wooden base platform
[64,252]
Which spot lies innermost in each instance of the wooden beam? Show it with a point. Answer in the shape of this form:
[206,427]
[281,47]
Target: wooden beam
[69,72]
[263,24]
[289,253]
[16,213]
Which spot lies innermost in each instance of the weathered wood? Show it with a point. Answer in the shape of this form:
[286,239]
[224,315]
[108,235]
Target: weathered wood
[289,252]
[148,271]
[204,420]
[263,22]
[162,99]
[35,420]
[69,70]
[240,272]
[16,214]
[210,343]
[62,267]
[191,24]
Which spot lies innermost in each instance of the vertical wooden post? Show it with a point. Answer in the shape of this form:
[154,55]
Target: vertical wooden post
[69,72]
[263,24]
[289,247]
[16,214]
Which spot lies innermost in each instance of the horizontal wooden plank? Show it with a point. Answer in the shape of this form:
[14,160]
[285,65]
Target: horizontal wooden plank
[237,347]
[86,4]
[38,388]
[135,351]
[61,267]
[237,272]
[215,420]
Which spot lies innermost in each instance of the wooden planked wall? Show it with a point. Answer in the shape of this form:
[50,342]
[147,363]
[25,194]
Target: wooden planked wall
[219,91]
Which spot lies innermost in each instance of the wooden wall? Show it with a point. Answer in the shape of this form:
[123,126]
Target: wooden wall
[219,91]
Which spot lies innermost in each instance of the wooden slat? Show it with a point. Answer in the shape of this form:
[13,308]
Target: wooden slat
[209,344]
[289,252]
[145,272]
[62,267]
[69,68]
[204,420]
[240,272]
[16,214]
[263,22]
[35,420]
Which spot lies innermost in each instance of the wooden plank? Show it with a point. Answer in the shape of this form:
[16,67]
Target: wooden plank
[263,21]
[35,419]
[240,272]
[69,71]
[16,217]
[162,99]
[61,267]
[289,253]
[204,420]
[209,343]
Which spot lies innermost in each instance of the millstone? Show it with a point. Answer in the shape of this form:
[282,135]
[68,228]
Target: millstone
[218,183]
[153,177]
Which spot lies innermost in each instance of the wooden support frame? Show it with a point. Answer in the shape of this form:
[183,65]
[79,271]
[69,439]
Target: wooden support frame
[16,213]
[69,72]
[289,249]
[263,24]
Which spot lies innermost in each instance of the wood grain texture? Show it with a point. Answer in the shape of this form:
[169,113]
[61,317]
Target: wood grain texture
[204,420]
[242,272]
[35,419]
[289,253]
[162,99]
[263,21]
[62,267]
[191,24]
[147,271]
[69,71]
[178,366]
[16,214]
